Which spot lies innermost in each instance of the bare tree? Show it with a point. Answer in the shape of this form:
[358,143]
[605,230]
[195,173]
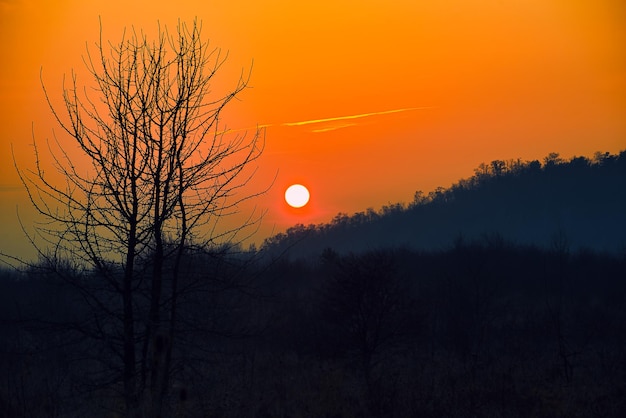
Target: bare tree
[162,171]
[366,299]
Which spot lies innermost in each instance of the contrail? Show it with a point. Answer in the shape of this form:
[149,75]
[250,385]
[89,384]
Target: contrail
[363,115]
[338,118]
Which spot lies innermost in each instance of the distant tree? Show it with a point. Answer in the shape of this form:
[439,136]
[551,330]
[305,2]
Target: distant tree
[556,293]
[162,173]
[534,166]
[603,158]
[419,198]
[552,160]
[365,299]
[482,171]
[498,168]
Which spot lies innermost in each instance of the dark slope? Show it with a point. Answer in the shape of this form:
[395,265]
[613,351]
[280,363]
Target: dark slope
[580,203]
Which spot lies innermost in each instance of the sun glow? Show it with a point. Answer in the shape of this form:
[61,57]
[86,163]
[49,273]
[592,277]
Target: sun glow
[297,195]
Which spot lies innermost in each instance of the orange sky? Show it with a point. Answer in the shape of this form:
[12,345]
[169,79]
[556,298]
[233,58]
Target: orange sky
[478,80]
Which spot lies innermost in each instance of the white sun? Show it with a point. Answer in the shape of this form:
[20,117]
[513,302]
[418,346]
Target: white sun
[297,195]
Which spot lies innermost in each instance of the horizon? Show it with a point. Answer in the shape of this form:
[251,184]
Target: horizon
[365,105]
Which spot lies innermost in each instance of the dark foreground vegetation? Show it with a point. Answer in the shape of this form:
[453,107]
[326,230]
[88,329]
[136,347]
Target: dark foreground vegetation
[482,328]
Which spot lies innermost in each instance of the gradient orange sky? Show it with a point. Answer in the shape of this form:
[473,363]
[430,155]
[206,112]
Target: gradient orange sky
[404,95]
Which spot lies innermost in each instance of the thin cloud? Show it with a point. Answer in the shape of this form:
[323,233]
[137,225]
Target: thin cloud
[11,188]
[334,128]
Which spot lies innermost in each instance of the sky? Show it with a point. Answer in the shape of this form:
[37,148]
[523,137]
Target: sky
[364,102]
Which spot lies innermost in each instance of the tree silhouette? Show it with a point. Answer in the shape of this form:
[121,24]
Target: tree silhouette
[365,298]
[162,171]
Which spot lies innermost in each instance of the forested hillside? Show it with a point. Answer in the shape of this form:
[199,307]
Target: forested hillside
[581,201]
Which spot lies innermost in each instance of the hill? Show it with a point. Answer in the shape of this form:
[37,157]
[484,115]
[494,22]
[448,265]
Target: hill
[579,203]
